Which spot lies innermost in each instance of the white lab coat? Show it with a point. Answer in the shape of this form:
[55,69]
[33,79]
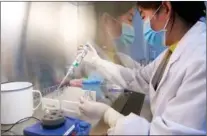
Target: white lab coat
[87,67]
[116,78]
[179,103]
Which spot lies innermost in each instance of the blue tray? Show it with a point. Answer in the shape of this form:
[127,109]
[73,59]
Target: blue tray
[72,126]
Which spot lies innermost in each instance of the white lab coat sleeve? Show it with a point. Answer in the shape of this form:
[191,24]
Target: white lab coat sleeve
[110,71]
[126,77]
[117,74]
[138,79]
[130,125]
[185,114]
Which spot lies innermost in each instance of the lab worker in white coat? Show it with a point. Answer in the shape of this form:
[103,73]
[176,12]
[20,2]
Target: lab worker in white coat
[175,81]
[115,47]
[124,36]
[110,47]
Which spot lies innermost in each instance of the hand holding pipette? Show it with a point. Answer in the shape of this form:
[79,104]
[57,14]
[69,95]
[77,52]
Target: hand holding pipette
[82,53]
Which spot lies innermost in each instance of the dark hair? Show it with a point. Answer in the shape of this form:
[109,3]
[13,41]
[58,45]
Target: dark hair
[114,8]
[190,11]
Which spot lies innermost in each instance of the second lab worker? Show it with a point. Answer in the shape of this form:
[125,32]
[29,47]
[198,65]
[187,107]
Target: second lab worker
[114,47]
[107,47]
[175,81]
[119,38]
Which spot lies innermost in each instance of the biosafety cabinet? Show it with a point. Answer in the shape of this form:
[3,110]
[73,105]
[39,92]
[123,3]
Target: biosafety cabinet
[39,40]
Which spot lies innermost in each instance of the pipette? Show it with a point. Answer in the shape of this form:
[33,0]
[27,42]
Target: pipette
[75,63]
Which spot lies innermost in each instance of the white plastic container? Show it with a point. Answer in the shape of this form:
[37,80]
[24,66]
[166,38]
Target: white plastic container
[67,101]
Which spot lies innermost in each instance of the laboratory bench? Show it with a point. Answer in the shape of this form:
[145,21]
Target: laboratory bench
[124,104]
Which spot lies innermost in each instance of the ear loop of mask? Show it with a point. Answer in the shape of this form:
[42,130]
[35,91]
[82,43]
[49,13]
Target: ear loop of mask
[156,12]
[108,31]
[164,28]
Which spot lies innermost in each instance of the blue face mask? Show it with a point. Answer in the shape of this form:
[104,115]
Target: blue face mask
[152,37]
[127,36]
[126,39]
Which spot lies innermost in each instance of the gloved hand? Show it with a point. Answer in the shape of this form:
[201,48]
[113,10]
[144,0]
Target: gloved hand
[91,55]
[97,110]
[108,70]
[91,109]
[130,125]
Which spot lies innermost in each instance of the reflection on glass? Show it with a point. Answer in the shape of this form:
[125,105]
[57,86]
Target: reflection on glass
[53,32]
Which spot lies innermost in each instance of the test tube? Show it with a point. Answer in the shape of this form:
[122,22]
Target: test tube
[87,95]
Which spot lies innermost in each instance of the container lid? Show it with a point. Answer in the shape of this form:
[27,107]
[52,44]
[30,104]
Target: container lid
[83,125]
[15,86]
[91,81]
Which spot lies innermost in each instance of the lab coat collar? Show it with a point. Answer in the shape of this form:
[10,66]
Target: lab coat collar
[188,41]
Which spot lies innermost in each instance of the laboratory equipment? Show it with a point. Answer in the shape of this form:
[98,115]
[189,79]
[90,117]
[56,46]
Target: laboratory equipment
[67,101]
[69,107]
[17,101]
[93,85]
[88,95]
[71,126]
[125,102]
[110,95]
[50,104]
[114,88]
[76,63]
[53,119]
